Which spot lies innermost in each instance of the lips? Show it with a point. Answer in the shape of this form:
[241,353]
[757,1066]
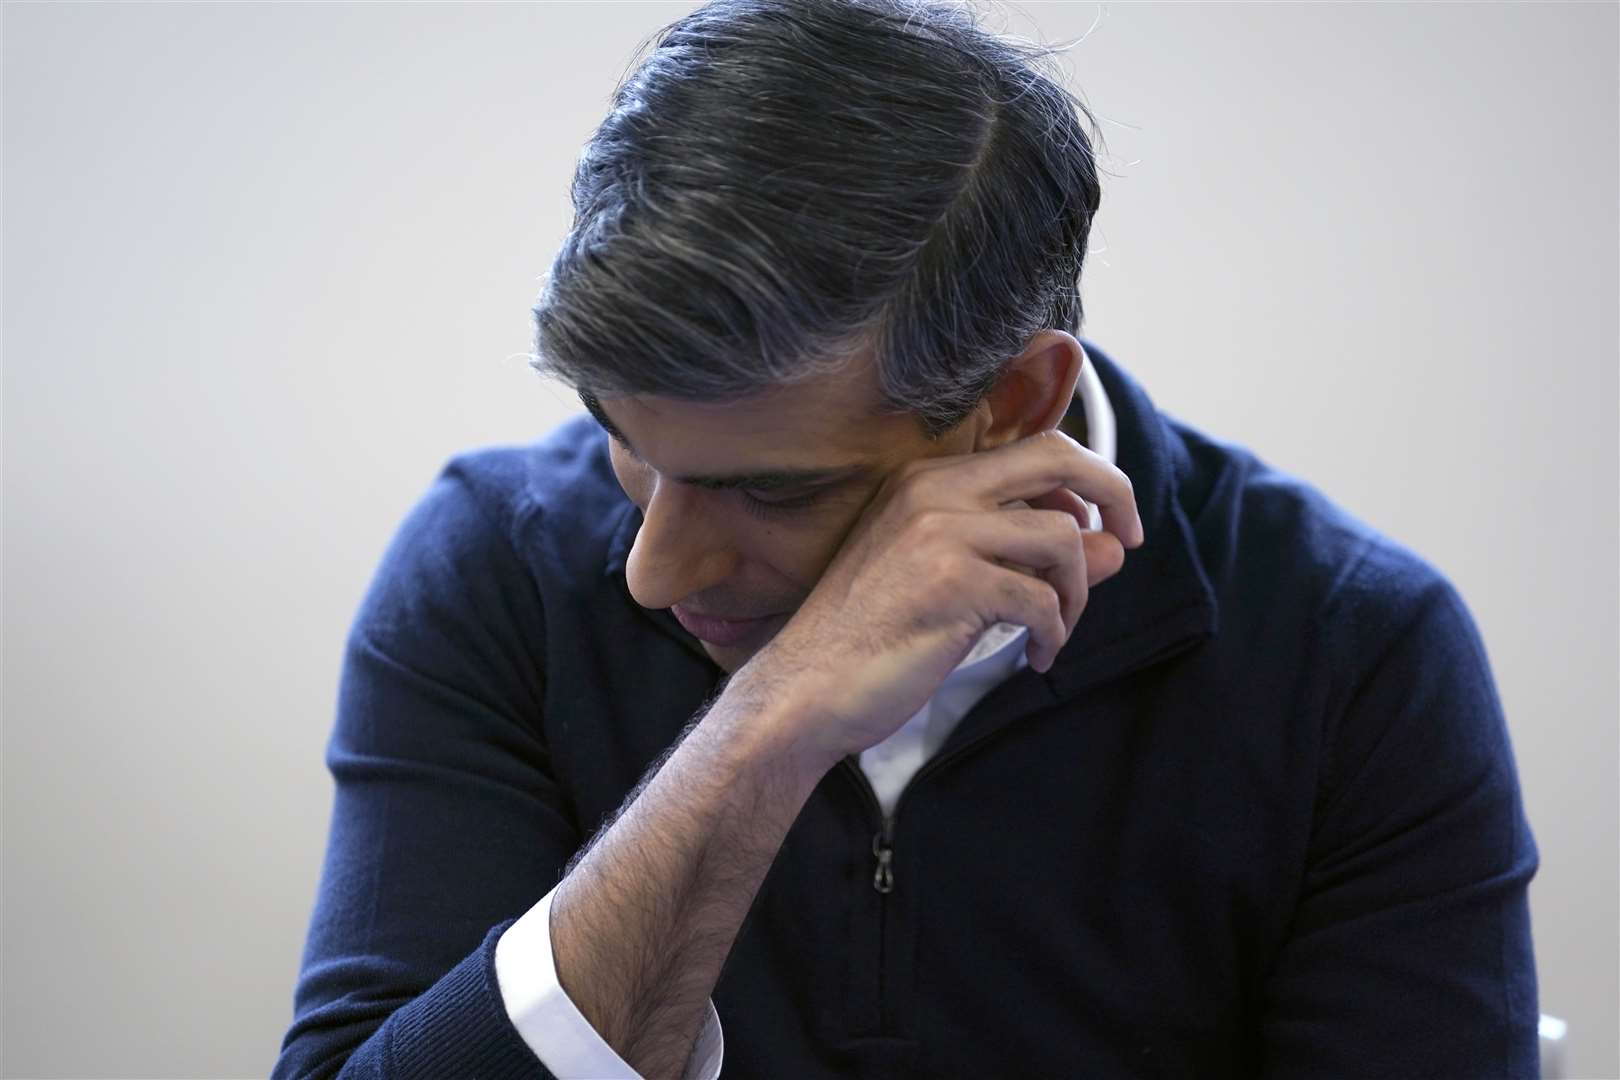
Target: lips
[719,631]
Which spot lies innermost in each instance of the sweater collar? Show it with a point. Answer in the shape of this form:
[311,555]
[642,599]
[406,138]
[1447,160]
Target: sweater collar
[1159,604]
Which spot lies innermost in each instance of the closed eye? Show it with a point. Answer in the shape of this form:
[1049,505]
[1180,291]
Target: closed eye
[762,507]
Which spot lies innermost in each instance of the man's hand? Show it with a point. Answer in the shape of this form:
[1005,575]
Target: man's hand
[948,547]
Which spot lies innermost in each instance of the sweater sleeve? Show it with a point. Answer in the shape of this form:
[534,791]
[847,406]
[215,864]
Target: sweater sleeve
[1410,951]
[448,820]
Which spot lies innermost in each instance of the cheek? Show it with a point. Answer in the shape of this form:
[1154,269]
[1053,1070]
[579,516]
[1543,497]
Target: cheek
[798,554]
[831,538]
[802,551]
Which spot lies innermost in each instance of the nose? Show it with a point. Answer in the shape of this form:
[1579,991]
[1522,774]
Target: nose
[680,550]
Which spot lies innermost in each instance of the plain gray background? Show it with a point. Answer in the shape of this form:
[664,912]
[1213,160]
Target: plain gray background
[267,266]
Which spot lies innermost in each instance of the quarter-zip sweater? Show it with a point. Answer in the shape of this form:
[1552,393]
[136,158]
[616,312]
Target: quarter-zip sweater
[1260,817]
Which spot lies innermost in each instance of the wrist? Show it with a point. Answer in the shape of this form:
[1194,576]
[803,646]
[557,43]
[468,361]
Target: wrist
[767,726]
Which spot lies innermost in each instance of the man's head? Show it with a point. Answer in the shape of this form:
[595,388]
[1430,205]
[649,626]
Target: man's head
[814,233]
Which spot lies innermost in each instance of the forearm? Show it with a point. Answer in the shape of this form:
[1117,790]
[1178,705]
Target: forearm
[644,921]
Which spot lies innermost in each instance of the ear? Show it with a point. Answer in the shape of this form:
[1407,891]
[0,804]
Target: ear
[1033,391]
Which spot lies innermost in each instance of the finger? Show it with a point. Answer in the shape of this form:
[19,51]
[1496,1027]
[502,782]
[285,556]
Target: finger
[1069,579]
[1067,501]
[1048,542]
[1008,596]
[1068,582]
[1037,539]
[1033,467]
[1105,556]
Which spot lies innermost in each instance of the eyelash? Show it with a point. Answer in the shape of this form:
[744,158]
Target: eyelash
[761,508]
[757,507]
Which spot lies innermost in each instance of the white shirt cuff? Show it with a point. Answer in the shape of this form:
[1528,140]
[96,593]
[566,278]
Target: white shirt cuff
[552,1025]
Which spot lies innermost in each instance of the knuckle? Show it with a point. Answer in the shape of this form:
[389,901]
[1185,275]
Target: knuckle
[896,481]
[1051,443]
[911,494]
[908,468]
[1051,604]
[928,525]
[950,573]
[911,474]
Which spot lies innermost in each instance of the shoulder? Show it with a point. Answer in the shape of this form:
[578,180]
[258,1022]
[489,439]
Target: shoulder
[564,474]
[550,508]
[1381,634]
[1322,598]
[1264,531]
[498,514]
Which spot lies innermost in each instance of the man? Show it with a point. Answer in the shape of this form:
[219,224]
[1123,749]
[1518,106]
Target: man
[880,685]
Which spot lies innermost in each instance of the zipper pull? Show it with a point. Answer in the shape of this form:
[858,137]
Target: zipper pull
[883,878]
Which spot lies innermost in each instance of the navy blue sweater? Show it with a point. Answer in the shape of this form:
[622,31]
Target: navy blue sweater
[1261,817]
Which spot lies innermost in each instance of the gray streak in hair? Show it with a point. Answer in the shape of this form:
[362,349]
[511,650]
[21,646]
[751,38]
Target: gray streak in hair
[782,186]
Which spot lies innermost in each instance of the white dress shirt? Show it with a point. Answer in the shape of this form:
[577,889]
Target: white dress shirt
[550,1022]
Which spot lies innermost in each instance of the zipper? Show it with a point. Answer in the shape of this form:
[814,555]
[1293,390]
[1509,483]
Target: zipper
[883,848]
[883,844]
[883,839]
[882,877]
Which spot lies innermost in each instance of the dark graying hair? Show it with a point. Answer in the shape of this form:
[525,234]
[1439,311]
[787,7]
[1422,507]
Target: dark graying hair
[784,185]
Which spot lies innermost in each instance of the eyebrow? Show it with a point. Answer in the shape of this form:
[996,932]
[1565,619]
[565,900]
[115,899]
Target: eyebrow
[769,480]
